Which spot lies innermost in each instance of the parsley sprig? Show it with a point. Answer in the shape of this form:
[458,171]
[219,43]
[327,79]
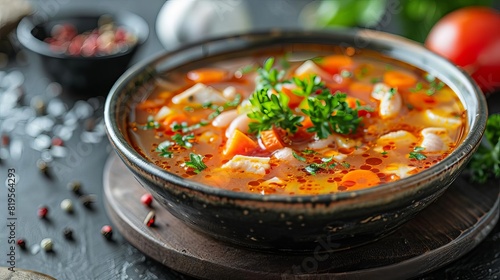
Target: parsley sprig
[330,113]
[272,110]
[196,163]
[313,168]
[164,149]
[150,124]
[269,77]
[485,162]
[183,140]
[416,154]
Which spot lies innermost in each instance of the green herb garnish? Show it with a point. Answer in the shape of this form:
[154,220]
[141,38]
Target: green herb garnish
[416,153]
[417,87]
[309,85]
[308,152]
[485,162]
[163,149]
[300,158]
[330,113]
[272,110]
[313,168]
[183,140]
[151,124]
[196,162]
[434,87]
[269,77]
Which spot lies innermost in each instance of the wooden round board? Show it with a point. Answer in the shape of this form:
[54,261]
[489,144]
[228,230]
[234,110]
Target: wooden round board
[443,232]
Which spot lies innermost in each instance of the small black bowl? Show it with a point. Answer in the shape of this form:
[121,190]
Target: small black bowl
[80,73]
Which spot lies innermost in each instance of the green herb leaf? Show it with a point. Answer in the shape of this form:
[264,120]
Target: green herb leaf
[196,162]
[416,153]
[269,77]
[485,162]
[183,140]
[330,113]
[326,163]
[272,110]
[434,87]
[163,149]
[300,158]
[151,124]
[308,152]
[309,85]
[417,87]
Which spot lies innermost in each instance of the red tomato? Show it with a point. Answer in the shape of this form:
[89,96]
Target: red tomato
[470,37]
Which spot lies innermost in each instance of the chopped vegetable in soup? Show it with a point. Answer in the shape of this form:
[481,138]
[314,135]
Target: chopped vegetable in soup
[279,124]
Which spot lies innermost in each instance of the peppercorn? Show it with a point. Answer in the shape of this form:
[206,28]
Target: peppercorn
[107,232]
[42,212]
[68,233]
[74,186]
[67,205]
[147,199]
[21,243]
[150,219]
[56,141]
[47,244]
[87,200]
[42,166]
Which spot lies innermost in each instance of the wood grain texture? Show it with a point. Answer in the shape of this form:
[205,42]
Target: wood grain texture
[446,230]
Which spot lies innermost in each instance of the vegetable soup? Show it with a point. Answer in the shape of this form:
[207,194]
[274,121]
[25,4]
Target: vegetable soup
[292,123]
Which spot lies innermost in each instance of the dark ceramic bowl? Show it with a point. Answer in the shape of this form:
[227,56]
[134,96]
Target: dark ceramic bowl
[80,73]
[334,221]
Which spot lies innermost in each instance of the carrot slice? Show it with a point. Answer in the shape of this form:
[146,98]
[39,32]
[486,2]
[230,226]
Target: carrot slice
[420,100]
[207,75]
[271,140]
[150,104]
[361,89]
[239,144]
[334,63]
[399,79]
[359,179]
[295,100]
[174,118]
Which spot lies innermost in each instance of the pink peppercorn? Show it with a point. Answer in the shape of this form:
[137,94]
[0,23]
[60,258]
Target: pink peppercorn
[107,231]
[42,212]
[147,199]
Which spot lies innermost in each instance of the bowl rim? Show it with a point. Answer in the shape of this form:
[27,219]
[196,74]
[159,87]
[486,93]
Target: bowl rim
[468,145]
[28,23]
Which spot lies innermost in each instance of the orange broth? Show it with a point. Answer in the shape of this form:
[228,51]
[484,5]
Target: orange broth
[388,144]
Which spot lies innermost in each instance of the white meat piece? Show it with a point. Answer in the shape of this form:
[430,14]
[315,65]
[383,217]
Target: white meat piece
[344,142]
[437,119]
[229,92]
[240,123]
[256,165]
[379,90]
[390,100]
[401,170]
[163,113]
[308,68]
[321,143]
[284,154]
[225,118]
[435,140]
[199,93]
[399,138]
